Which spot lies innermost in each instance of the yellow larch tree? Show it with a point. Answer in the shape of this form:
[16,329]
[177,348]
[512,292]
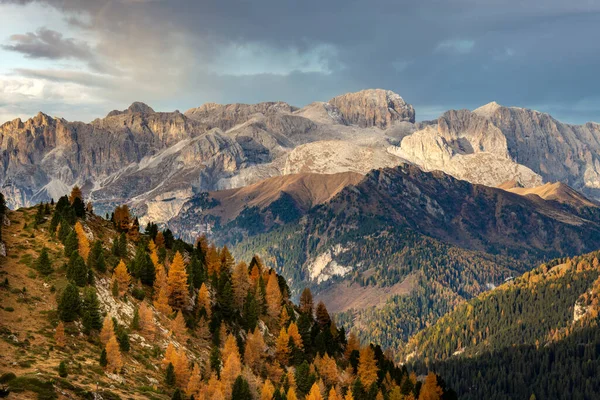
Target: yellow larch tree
[59,335]
[213,261]
[108,330]
[284,317]
[177,281]
[182,369]
[122,277]
[294,334]
[273,296]
[203,301]
[349,395]
[241,284]
[113,356]
[162,302]
[232,368]
[328,370]
[170,356]
[75,193]
[367,367]
[214,389]
[84,243]
[291,394]
[178,328]
[195,383]
[230,347]
[267,391]
[147,325]
[315,393]
[282,348]
[333,395]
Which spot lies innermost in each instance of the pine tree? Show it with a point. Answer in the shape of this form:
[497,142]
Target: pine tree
[177,395]
[241,389]
[103,360]
[108,329]
[84,243]
[62,370]
[113,356]
[306,302]
[135,321]
[178,328]
[322,315]
[122,277]
[59,335]
[77,270]
[273,296]
[96,258]
[90,307]
[43,263]
[69,304]
[63,233]
[71,244]
[170,375]
[367,367]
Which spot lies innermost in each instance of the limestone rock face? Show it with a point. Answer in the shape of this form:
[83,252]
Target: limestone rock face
[373,107]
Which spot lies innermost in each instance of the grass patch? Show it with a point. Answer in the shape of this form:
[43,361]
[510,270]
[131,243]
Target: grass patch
[43,389]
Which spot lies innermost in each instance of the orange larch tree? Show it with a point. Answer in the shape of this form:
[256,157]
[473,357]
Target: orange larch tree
[84,243]
[273,296]
[59,335]
[108,330]
[122,277]
[282,348]
[178,328]
[113,356]
[203,301]
[178,283]
[367,367]
[147,325]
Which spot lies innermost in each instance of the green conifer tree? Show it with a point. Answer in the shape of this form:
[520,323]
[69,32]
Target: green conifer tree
[69,304]
[43,263]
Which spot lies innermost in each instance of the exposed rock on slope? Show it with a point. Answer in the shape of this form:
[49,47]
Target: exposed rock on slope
[373,107]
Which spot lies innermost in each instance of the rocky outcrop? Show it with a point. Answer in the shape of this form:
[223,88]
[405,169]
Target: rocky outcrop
[373,107]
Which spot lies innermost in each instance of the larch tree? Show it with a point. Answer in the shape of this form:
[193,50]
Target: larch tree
[162,302]
[108,329]
[178,328]
[267,391]
[367,367]
[431,389]
[315,393]
[241,284]
[284,317]
[182,369]
[353,344]
[333,395]
[232,368]
[177,282]
[113,356]
[291,394]
[213,261]
[349,395]
[203,301]
[306,302]
[147,324]
[322,315]
[282,348]
[294,334]
[122,277]
[255,350]
[170,355]
[59,335]
[84,243]
[75,194]
[195,383]
[273,296]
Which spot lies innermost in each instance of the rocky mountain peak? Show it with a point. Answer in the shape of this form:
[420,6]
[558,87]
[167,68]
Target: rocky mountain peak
[135,107]
[373,107]
[487,110]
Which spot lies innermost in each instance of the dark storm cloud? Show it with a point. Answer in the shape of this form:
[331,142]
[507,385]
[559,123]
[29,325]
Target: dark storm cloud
[436,54]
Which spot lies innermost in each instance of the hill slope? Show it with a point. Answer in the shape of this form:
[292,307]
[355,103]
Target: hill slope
[535,334]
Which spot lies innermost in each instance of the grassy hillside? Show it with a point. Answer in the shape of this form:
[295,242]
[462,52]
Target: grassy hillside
[118,327]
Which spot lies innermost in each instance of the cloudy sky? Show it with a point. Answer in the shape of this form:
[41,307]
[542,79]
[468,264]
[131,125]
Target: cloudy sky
[82,58]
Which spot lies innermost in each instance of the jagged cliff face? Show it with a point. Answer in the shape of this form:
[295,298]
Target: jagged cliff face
[156,161]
